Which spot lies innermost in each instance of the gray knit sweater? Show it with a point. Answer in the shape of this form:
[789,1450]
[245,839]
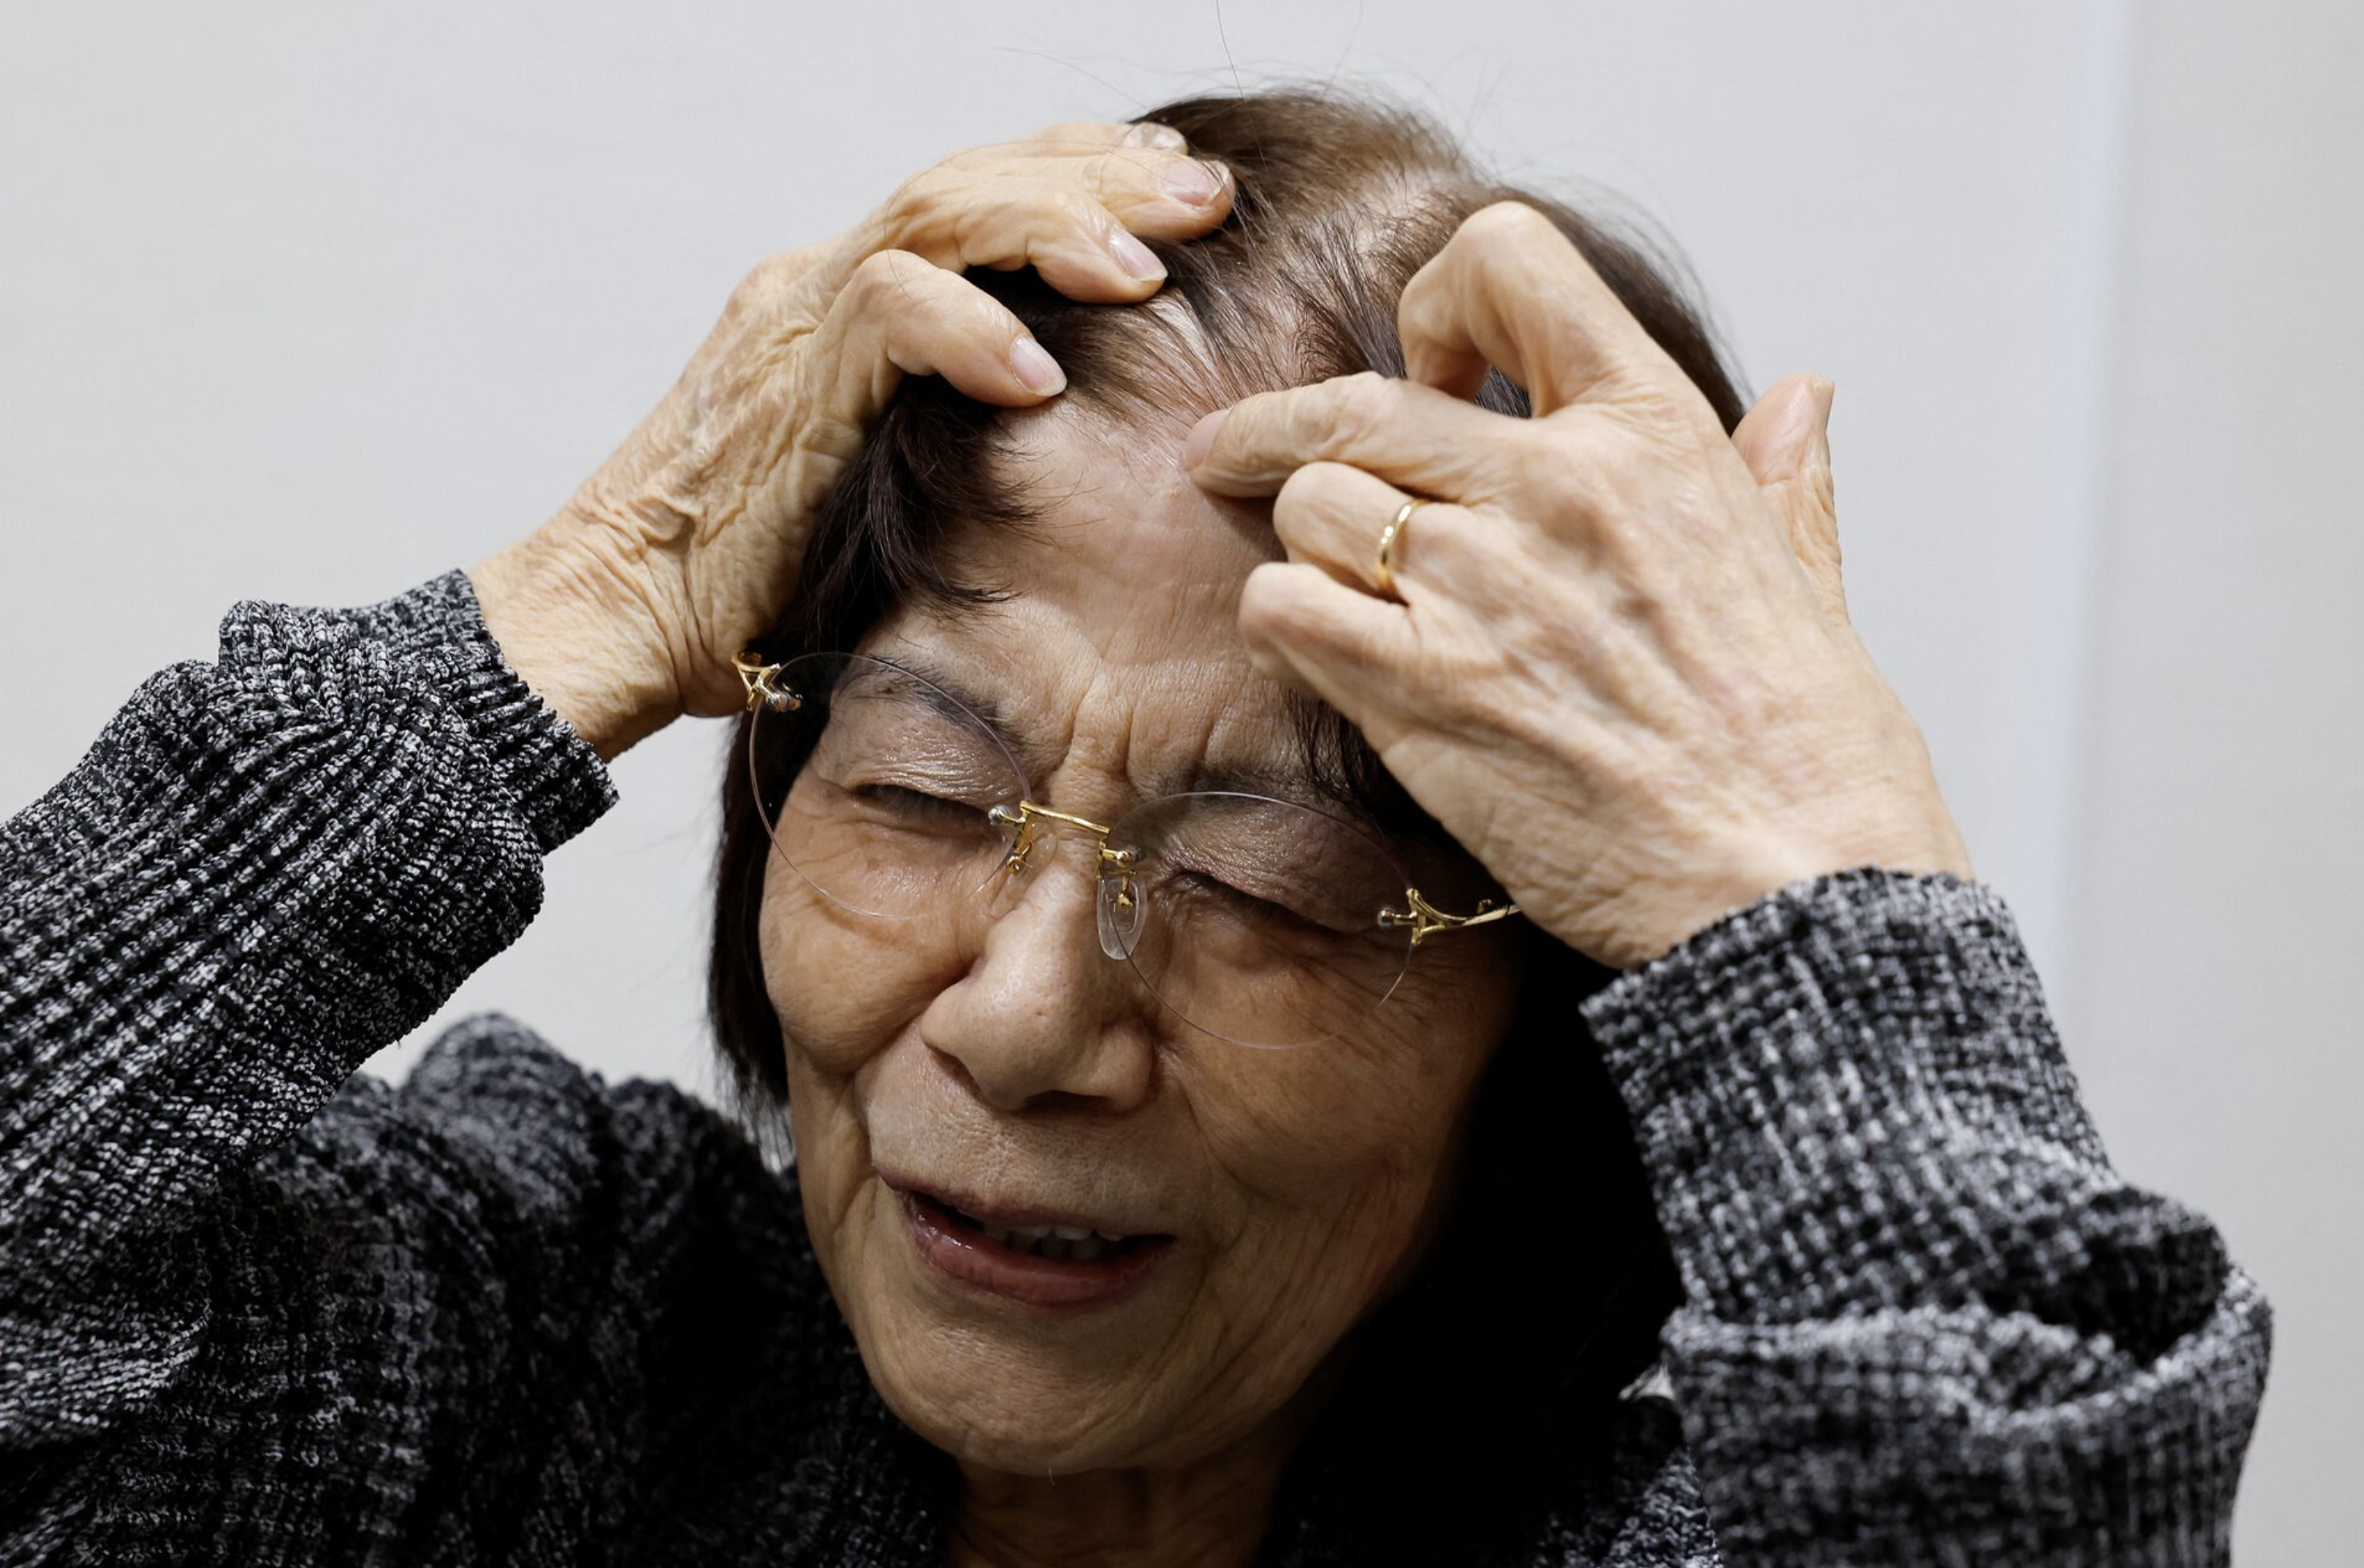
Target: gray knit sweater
[258,1308]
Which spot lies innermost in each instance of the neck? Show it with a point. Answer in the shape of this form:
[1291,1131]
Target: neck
[1212,1512]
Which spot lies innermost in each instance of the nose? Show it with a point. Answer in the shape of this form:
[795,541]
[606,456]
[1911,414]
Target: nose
[1044,1014]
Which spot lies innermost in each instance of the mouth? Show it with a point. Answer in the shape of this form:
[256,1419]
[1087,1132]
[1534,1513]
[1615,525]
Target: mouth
[1046,1263]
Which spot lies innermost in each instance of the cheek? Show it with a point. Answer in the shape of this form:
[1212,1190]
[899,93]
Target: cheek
[1343,1151]
[844,988]
[841,984]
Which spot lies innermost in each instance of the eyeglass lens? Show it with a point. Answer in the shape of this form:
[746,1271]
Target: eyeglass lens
[1252,919]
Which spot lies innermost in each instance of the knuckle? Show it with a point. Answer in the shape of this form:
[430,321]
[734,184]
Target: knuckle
[1660,407]
[1307,495]
[1429,303]
[917,195]
[1123,173]
[1256,429]
[1132,173]
[1457,563]
[1357,403]
[1560,472]
[966,167]
[930,199]
[1439,535]
[1502,223]
[1155,133]
[883,275]
[1070,207]
[824,435]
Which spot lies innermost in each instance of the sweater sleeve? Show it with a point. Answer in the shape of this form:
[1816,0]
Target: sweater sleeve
[266,868]
[1925,1321]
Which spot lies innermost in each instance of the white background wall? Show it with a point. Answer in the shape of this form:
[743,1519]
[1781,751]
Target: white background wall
[308,303]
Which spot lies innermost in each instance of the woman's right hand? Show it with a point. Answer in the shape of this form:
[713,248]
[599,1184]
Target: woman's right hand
[623,611]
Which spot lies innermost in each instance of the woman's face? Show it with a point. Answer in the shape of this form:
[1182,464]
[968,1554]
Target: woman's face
[1018,1075]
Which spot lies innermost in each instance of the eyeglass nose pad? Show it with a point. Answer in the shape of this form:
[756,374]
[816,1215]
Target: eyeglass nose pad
[1123,907]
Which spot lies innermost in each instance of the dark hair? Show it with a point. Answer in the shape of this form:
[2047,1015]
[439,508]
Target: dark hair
[1503,1353]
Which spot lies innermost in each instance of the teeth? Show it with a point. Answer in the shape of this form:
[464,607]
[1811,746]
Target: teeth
[1077,1242]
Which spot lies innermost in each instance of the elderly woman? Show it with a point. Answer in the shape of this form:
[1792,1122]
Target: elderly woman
[1312,865]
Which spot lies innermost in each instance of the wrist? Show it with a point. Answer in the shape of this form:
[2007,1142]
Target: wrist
[584,642]
[1915,844]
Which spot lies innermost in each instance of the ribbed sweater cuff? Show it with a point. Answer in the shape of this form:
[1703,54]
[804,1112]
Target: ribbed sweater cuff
[1841,1092]
[561,784]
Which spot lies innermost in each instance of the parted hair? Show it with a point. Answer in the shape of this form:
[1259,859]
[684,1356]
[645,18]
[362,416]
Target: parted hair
[1546,1291]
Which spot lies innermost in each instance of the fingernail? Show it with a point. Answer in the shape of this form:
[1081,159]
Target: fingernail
[1192,182]
[1201,439]
[1824,390]
[1149,133]
[1134,257]
[1036,368]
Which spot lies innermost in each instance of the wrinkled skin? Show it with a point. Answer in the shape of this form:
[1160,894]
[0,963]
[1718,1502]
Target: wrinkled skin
[1618,669]
[628,604]
[1618,665]
[1021,1064]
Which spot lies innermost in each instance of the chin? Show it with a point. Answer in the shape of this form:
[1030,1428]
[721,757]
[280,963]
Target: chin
[1011,1409]
[1030,1365]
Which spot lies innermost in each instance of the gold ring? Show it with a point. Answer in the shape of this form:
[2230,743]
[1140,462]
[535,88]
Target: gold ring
[1384,576]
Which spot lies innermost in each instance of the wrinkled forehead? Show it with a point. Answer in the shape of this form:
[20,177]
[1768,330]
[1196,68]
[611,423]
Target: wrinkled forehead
[1114,501]
[1111,652]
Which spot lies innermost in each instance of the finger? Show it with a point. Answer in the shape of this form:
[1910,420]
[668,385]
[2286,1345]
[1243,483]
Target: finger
[1077,245]
[1335,517]
[1411,435]
[1510,291]
[1308,631]
[1106,133]
[901,314]
[1085,235]
[1160,192]
[1083,134]
[1081,223]
[1785,440]
[1150,133]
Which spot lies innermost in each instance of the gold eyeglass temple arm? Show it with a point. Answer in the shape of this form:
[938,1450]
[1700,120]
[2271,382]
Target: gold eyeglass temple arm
[1426,919]
[757,677]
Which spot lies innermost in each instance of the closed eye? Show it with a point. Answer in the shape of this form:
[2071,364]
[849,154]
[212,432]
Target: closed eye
[1242,905]
[914,805]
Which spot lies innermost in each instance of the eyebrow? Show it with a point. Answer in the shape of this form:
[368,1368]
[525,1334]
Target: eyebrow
[1290,784]
[1031,755]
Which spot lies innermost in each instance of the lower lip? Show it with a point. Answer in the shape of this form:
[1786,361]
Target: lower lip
[977,1261]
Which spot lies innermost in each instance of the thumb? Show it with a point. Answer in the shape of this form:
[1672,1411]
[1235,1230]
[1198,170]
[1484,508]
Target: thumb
[1785,440]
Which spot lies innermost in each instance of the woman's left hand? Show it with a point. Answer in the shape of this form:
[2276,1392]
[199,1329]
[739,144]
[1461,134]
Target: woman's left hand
[1621,671]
